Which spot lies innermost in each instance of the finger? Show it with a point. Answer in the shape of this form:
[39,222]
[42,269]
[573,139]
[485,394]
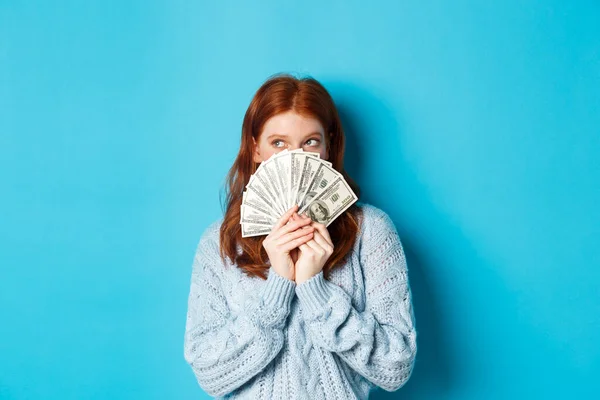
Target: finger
[303,215]
[321,241]
[299,217]
[292,226]
[292,244]
[293,235]
[315,246]
[322,229]
[285,217]
[305,248]
[293,220]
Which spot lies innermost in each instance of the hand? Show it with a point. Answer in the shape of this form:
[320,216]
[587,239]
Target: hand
[314,253]
[285,236]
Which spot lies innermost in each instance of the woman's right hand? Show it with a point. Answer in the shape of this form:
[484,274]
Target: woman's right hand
[286,235]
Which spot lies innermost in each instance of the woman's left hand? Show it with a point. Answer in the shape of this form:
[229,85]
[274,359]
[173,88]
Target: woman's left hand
[313,254]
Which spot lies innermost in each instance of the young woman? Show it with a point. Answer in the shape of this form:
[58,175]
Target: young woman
[307,311]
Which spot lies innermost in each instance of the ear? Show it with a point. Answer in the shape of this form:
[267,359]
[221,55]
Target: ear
[255,153]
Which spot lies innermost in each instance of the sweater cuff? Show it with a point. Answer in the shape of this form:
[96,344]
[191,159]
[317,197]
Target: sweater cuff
[278,290]
[314,293]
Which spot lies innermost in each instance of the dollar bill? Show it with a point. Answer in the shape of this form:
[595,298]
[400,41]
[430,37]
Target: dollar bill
[256,198]
[317,155]
[283,167]
[323,177]
[262,183]
[330,203]
[307,173]
[250,215]
[269,169]
[292,177]
[296,163]
[255,230]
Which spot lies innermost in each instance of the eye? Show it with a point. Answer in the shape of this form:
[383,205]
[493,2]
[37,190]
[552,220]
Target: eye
[315,140]
[276,141]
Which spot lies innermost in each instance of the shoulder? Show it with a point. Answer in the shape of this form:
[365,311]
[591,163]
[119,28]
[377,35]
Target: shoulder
[208,243]
[376,228]
[374,221]
[211,231]
[210,234]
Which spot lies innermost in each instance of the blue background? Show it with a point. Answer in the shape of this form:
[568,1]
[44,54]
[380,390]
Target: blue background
[475,125]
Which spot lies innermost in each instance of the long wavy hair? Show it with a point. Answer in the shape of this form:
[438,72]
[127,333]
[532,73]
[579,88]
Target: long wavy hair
[281,93]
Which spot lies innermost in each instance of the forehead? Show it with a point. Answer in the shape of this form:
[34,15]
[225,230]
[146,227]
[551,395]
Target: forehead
[292,123]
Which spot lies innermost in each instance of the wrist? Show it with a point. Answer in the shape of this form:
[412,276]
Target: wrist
[301,278]
[287,276]
[287,273]
[314,294]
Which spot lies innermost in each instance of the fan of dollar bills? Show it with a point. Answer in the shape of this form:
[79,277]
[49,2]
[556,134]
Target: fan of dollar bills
[288,178]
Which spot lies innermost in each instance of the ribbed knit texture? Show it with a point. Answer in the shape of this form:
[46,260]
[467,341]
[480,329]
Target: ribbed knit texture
[249,338]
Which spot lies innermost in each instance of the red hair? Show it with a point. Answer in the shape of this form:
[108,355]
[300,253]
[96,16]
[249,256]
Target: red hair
[307,97]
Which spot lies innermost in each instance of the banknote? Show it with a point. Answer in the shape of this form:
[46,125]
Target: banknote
[293,177]
[282,166]
[255,230]
[331,202]
[251,215]
[270,174]
[297,161]
[322,178]
[251,198]
[307,174]
[261,183]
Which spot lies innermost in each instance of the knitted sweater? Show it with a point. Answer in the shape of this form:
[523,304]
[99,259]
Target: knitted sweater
[250,338]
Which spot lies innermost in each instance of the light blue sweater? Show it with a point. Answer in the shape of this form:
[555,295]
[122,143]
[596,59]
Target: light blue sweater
[249,338]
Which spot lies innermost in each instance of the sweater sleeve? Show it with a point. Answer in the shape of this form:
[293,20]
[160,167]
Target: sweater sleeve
[225,348]
[378,342]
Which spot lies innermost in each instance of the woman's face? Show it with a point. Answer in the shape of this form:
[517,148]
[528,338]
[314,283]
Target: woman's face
[290,131]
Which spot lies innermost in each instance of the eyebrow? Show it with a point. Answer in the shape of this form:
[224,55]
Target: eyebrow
[273,135]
